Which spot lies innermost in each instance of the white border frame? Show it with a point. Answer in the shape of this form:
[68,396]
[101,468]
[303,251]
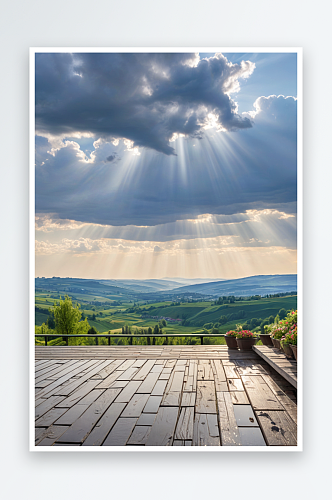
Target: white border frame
[33,51]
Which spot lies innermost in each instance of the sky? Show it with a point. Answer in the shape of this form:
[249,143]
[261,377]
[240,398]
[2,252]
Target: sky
[156,165]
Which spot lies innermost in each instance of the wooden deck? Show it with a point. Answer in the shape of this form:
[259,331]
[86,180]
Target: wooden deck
[287,368]
[160,396]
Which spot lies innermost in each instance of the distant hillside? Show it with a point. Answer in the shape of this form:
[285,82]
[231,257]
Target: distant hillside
[252,285]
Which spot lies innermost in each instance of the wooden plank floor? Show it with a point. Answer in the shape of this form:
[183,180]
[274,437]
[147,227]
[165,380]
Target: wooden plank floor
[160,396]
[287,368]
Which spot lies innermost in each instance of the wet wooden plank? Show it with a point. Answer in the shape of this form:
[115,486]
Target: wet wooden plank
[157,368]
[191,382]
[39,433]
[104,426]
[135,406]
[152,404]
[46,405]
[188,399]
[119,384]
[148,384]
[259,393]
[54,369]
[172,393]
[121,432]
[108,381]
[50,417]
[91,397]
[235,384]
[206,397]
[238,397]
[66,391]
[71,415]
[251,436]
[245,416]
[206,432]
[204,370]
[163,428]
[284,399]
[185,425]
[159,388]
[107,370]
[279,429]
[50,389]
[79,394]
[286,368]
[79,430]
[127,393]
[147,418]
[139,435]
[249,367]
[51,435]
[230,370]
[128,374]
[230,435]
[143,372]
[170,363]
[219,375]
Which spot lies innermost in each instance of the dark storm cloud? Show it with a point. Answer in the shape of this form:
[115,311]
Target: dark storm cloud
[217,176]
[145,98]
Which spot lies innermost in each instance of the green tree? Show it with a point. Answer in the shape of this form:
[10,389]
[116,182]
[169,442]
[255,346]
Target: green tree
[282,313]
[156,329]
[51,321]
[67,317]
[92,331]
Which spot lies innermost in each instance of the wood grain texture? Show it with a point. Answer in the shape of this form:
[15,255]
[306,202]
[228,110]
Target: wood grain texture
[278,428]
[206,432]
[163,428]
[161,396]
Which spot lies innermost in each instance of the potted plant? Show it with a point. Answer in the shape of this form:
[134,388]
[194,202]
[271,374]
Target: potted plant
[245,339]
[285,344]
[290,341]
[277,332]
[266,336]
[282,328]
[230,338]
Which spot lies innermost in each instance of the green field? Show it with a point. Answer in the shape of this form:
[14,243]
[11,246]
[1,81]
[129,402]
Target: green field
[196,317]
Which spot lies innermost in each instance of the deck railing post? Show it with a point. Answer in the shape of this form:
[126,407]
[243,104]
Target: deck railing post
[67,340]
[202,340]
[154,341]
[45,339]
[131,340]
[109,340]
[96,340]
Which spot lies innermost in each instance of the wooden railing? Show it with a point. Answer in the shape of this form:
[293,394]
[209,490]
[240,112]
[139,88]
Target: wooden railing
[131,336]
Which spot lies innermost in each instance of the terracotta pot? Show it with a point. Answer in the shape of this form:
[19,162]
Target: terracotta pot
[246,344]
[266,339]
[294,349]
[231,342]
[288,351]
[276,343]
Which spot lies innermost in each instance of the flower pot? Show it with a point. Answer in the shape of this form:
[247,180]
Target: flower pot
[276,343]
[231,342]
[294,349]
[266,339]
[288,351]
[246,343]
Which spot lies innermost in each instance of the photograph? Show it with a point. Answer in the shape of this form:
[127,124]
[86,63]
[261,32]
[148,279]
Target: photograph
[165,249]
